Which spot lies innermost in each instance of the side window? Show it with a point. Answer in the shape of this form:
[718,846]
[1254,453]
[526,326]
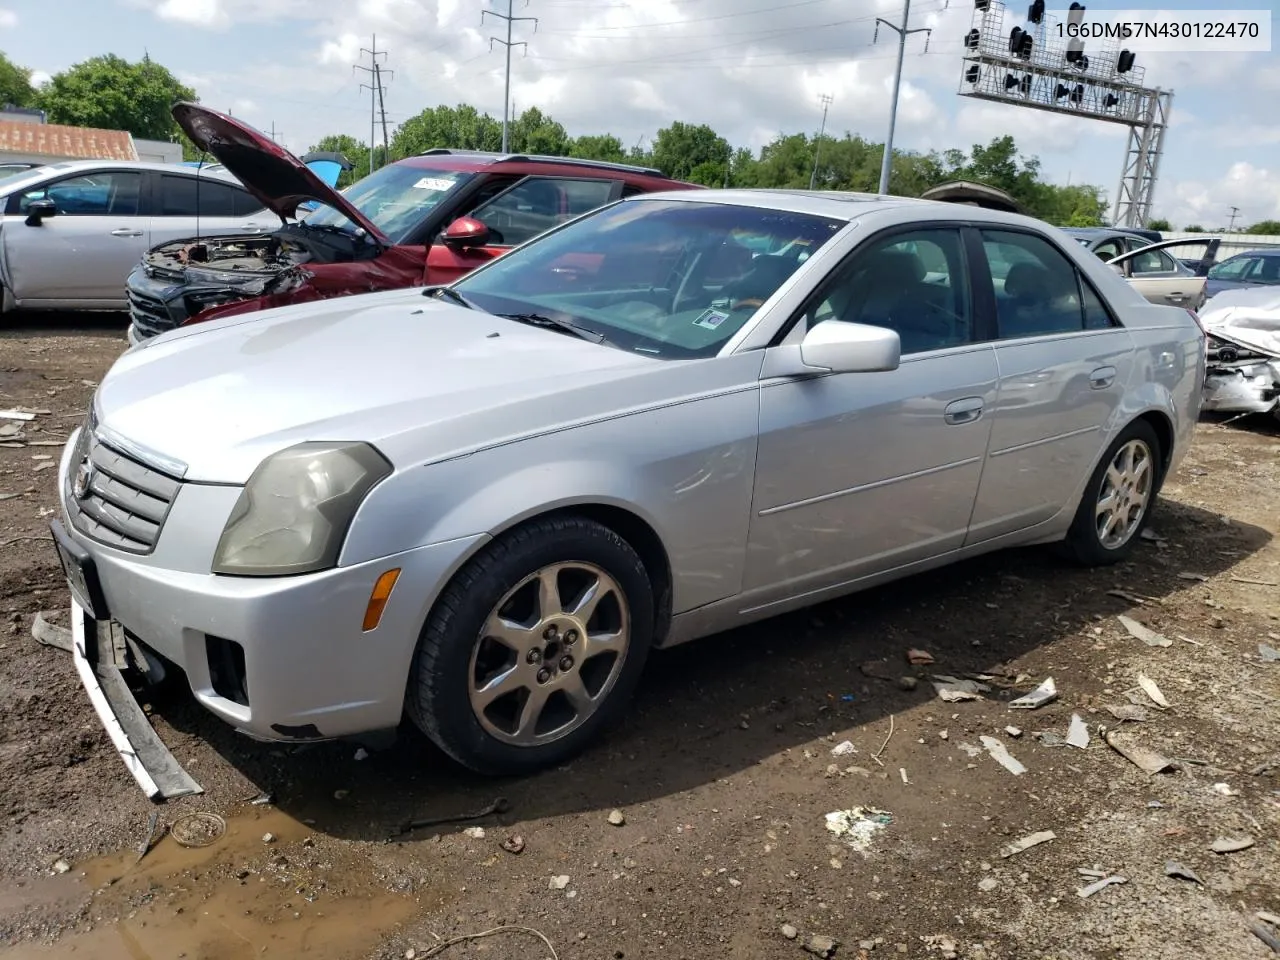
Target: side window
[914,283]
[1109,250]
[1233,269]
[178,197]
[1039,292]
[538,204]
[1153,261]
[244,203]
[106,194]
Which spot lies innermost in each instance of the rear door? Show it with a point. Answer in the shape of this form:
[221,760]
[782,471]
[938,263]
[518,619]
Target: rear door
[530,207]
[82,255]
[184,206]
[1063,364]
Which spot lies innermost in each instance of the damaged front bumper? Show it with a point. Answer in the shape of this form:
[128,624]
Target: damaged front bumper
[1239,379]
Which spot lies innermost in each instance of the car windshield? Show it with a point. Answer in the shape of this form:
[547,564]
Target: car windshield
[395,198]
[673,279]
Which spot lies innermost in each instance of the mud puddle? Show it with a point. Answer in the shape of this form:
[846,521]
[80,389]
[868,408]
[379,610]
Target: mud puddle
[241,896]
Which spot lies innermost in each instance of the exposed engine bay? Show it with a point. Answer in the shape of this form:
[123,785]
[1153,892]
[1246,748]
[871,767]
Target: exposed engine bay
[1243,362]
[292,245]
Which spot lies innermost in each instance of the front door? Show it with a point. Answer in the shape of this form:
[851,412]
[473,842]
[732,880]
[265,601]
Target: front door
[83,253]
[864,472]
[1064,362]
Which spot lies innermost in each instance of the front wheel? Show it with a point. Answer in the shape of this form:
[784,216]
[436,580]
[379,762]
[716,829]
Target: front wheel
[1118,499]
[534,647]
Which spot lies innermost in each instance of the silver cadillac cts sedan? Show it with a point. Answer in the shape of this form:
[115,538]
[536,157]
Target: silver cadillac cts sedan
[483,505]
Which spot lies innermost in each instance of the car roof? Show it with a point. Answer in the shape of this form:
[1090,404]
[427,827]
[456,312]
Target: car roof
[1269,252]
[63,167]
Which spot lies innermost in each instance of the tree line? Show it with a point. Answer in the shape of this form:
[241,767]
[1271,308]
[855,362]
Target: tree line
[112,93]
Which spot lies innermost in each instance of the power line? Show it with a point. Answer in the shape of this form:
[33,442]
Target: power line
[375,91]
[508,43]
[382,108]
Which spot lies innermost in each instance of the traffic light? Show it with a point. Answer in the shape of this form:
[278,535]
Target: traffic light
[1020,42]
[1124,63]
[1110,100]
[1023,83]
[971,39]
[973,74]
[1036,13]
[981,4]
[1075,14]
[1076,93]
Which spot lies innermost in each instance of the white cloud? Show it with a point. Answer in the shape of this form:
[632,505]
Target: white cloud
[1254,190]
[40,77]
[200,13]
[8,19]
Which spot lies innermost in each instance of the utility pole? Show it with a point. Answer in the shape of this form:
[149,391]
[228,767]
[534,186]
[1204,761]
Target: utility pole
[1231,227]
[382,108]
[508,43]
[902,33]
[276,135]
[817,147]
[373,88]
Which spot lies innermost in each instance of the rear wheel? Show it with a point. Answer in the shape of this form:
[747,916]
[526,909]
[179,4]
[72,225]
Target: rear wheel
[1118,499]
[534,647]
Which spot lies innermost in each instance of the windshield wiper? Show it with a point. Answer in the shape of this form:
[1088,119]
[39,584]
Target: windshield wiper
[538,320]
[448,293]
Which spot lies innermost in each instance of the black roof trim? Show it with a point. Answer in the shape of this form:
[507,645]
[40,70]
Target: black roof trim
[540,158]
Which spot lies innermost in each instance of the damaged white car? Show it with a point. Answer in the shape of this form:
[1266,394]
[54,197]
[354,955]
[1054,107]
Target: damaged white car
[1243,369]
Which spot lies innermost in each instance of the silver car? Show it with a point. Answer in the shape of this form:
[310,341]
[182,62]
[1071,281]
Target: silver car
[484,504]
[71,232]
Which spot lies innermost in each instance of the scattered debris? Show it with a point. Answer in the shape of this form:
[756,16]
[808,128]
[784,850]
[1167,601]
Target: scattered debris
[1225,790]
[341,794]
[1014,732]
[1172,868]
[1270,918]
[903,772]
[16,415]
[514,844]
[970,749]
[1268,653]
[262,800]
[198,829]
[475,833]
[1132,598]
[1132,712]
[500,805]
[361,754]
[1266,936]
[1091,874]
[987,884]
[1145,634]
[1151,536]
[145,846]
[888,736]
[821,946]
[1149,687]
[61,866]
[558,883]
[45,465]
[1200,577]
[1144,759]
[946,945]
[843,749]
[1045,693]
[789,931]
[1231,844]
[858,826]
[50,634]
[908,683]
[1027,842]
[444,945]
[268,838]
[616,818]
[953,689]
[1078,733]
[1001,756]
[1084,893]
[1256,583]
[919,658]
[1049,738]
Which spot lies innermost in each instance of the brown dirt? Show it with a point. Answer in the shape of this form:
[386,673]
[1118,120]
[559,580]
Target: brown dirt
[722,768]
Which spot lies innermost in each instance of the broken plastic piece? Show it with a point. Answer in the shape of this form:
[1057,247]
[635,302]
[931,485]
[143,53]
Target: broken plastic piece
[857,826]
[50,634]
[1078,732]
[919,658]
[1149,687]
[1045,693]
[1268,653]
[1146,760]
[1145,634]
[1231,844]
[1084,893]
[1001,756]
[953,689]
[1027,842]
[1172,868]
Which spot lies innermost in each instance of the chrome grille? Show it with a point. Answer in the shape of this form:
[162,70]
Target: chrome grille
[125,502]
[149,315]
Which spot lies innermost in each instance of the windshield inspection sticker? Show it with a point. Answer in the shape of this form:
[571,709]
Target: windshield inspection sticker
[711,319]
[433,183]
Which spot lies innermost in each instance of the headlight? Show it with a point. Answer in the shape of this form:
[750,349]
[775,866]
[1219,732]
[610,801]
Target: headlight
[293,514]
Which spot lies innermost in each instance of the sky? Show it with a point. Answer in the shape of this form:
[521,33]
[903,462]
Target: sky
[751,69]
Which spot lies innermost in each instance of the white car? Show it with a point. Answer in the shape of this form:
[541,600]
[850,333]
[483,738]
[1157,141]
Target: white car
[71,232]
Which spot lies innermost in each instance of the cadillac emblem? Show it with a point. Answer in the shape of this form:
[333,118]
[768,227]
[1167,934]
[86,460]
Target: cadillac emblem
[83,479]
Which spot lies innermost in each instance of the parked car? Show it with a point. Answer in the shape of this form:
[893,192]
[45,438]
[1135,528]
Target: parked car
[1162,278]
[1254,268]
[326,165]
[1243,359]
[1110,242]
[16,167]
[72,231]
[485,503]
[423,220]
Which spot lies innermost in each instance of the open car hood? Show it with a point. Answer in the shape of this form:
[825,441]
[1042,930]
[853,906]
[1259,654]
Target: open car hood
[1249,318]
[267,170]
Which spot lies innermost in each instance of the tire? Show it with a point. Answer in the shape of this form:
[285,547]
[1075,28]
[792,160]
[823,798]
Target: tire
[1085,542]
[459,651]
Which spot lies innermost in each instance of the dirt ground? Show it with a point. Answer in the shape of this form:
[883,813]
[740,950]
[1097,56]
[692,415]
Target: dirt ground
[724,772]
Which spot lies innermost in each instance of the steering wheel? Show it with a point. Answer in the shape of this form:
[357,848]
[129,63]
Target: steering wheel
[746,302]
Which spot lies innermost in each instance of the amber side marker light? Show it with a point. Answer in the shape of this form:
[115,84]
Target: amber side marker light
[379,597]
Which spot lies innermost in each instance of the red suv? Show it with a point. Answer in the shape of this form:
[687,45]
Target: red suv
[420,221]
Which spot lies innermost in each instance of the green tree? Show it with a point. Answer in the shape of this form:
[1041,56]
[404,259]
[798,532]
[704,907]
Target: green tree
[111,93]
[697,154]
[1265,227]
[15,84]
[460,128]
[1194,228]
[354,150]
[1159,224]
[602,146]
[535,132]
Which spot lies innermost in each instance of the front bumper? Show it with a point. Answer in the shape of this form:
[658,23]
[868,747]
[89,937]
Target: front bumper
[155,305]
[279,658]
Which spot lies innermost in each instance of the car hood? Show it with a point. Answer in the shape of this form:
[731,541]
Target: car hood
[419,378]
[1249,317]
[271,173]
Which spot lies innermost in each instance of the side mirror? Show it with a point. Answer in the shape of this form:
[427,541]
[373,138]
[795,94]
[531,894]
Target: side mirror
[466,232]
[38,210]
[843,347]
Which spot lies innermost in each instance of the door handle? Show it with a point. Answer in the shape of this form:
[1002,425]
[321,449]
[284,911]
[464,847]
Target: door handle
[963,411]
[1176,297]
[250,226]
[126,232]
[1102,378]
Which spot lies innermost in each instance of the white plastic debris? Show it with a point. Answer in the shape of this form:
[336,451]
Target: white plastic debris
[843,749]
[1225,790]
[1084,893]
[953,689]
[858,826]
[558,883]
[1078,732]
[1268,653]
[1027,842]
[1144,759]
[362,753]
[1145,634]
[1001,756]
[1149,687]
[1045,693]
[1231,844]
[16,415]
[475,833]
[1014,732]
